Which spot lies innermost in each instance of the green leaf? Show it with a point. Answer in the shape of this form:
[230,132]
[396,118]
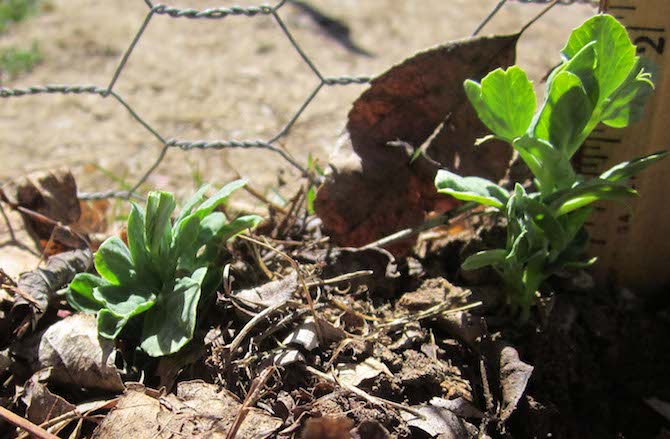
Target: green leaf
[169,325]
[218,198]
[123,300]
[196,199]
[505,101]
[113,262]
[547,222]
[185,243]
[565,113]
[615,52]
[484,259]
[625,170]
[311,193]
[475,189]
[109,324]
[549,166]
[80,293]
[589,192]
[237,226]
[160,206]
[626,105]
[583,66]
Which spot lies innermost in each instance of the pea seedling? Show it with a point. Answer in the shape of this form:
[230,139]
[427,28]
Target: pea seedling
[600,80]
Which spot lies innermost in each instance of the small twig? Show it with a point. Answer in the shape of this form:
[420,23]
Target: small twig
[440,308]
[341,278]
[370,398]
[239,338]
[433,222]
[24,424]
[250,400]
[296,267]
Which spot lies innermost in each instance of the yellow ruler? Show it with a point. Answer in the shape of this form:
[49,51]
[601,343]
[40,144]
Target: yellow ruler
[633,244]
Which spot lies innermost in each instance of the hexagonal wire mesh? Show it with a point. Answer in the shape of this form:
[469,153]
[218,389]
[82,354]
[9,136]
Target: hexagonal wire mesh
[269,144]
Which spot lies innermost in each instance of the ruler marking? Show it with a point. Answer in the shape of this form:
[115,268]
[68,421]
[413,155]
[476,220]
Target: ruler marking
[595,156]
[646,29]
[624,7]
[606,139]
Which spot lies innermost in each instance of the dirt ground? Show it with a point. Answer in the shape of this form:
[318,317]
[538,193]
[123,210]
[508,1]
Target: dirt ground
[237,78]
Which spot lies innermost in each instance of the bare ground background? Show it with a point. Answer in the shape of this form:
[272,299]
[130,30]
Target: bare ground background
[236,78]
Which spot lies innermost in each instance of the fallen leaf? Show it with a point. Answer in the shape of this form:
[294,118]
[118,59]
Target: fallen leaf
[198,410]
[52,194]
[355,373]
[38,287]
[19,251]
[375,190]
[514,376]
[77,356]
[439,421]
[41,404]
[271,293]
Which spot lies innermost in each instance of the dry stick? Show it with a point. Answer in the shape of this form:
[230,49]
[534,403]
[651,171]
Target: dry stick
[252,397]
[24,424]
[439,220]
[355,390]
[440,308]
[296,267]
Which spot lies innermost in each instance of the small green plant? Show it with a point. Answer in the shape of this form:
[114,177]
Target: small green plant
[163,272]
[12,11]
[15,61]
[599,81]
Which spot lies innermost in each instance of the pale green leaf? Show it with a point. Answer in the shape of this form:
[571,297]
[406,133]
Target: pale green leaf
[79,294]
[123,300]
[626,105]
[615,51]
[484,259]
[549,166]
[113,262]
[589,192]
[626,170]
[196,199]
[218,198]
[169,325]
[505,101]
[564,114]
[475,189]
[160,206]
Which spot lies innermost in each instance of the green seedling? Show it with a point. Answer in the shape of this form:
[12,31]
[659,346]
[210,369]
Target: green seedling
[163,273]
[600,80]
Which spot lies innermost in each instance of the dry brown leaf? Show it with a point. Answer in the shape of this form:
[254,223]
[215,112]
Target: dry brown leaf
[77,356]
[375,191]
[514,376]
[198,410]
[41,404]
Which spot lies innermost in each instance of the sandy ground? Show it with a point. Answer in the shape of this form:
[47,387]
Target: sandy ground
[237,78]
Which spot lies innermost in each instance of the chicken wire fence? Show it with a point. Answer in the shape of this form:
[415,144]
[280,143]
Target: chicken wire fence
[220,13]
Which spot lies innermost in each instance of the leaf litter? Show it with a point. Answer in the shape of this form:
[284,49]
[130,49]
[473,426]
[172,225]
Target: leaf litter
[310,338]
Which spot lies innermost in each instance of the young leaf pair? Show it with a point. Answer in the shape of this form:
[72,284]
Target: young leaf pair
[600,80]
[162,271]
